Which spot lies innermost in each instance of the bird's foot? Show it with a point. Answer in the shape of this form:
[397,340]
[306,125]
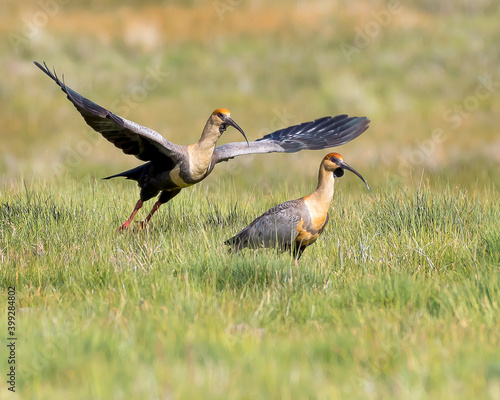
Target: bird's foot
[124,226]
[140,224]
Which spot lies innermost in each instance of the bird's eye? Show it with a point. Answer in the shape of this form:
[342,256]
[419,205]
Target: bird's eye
[338,172]
[220,115]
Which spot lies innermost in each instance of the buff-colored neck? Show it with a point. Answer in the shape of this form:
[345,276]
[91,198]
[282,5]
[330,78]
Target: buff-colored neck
[321,198]
[200,153]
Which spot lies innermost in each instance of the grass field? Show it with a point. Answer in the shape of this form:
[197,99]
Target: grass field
[398,299]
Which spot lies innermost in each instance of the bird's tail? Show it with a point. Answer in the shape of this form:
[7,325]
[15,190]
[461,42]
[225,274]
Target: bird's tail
[232,242]
[236,243]
[134,173]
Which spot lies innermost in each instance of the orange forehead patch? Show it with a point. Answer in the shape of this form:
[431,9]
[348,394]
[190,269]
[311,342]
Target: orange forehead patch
[222,111]
[336,155]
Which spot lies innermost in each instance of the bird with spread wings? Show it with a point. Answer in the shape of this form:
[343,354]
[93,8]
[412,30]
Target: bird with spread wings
[171,167]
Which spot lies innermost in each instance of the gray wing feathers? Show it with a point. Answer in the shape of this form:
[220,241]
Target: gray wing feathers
[231,150]
[314,135]
[277,227]
[140,141]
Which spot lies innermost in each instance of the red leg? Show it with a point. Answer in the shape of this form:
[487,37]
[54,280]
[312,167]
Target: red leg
[165,197]
[153,210]
[128,221]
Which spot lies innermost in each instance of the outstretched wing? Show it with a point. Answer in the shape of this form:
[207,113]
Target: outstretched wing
[315,135]
[131,138]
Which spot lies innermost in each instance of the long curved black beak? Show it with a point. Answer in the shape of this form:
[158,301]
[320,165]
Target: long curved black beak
[229,121]
[344,165]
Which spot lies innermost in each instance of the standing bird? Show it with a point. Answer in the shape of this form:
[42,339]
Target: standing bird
[171,167]
[296,224]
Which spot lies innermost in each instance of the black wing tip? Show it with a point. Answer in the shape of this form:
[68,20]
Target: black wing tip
[351,124]
[354,120]
[362,123]
[341,118]
[45,69]
[337,121]
[51,74]
[329,131]
[363,119]
[77,99]
[351,130]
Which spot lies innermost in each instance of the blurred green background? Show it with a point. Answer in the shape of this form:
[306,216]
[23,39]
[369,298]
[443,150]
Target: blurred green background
[426,73]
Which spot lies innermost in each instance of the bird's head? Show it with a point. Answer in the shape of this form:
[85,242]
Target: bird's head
[222,118]
[335,163]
